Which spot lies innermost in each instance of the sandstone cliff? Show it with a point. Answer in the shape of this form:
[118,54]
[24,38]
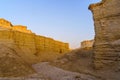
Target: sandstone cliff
[34,47]
[107,33]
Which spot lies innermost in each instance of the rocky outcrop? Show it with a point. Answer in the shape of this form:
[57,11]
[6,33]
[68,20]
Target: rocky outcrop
[34,47]
[87,44]
[4,23]
[107,34]
[21,29]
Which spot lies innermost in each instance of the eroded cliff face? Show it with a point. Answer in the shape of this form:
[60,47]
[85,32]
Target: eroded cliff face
[34,47]
[87,44]
[107,33]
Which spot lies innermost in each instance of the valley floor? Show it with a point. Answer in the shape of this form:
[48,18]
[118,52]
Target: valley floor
[45,71]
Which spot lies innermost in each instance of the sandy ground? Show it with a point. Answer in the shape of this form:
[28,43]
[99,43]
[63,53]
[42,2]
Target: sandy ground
[29,77]
[55,73]
[45,71]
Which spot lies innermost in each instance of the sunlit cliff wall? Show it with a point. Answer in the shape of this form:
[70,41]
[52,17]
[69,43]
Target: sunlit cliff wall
[87,44]
[107,33]
[21,28]
[34,47]
[5,24]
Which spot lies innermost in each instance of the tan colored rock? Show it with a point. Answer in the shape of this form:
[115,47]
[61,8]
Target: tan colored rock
[87,44]
[107,33]
[21,28]
[11,63]
[34,47]
[4,23]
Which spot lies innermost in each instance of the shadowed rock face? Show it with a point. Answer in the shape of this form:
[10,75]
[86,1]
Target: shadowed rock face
[107,33]
[11,64]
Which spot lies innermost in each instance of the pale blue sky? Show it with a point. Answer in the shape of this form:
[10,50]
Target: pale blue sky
[65,20]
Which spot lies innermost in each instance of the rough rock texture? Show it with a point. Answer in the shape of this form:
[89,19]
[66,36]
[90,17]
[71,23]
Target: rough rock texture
[4,23]
[87,44]
[11,64]
[81,60]
[78,60]
[21,28]
[34,47]
[107,34]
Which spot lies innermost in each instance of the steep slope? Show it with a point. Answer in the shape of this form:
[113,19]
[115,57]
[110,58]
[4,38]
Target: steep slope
[11,64]
[79,60]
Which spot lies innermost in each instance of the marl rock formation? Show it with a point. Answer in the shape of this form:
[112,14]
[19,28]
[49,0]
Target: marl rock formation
[87,44]
[20,48]
[107,34]
[34,47]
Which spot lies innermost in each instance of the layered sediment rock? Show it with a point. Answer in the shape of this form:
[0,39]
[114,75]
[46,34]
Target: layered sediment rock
[4,23]
[87,44]
[107,33]
[33,46]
